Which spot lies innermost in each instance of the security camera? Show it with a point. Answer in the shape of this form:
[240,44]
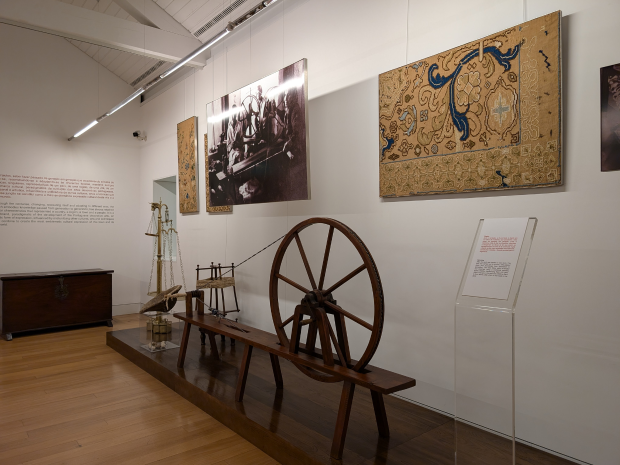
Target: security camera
[139,135]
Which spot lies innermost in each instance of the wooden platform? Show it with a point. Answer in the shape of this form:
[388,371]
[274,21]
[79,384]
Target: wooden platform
[295,425]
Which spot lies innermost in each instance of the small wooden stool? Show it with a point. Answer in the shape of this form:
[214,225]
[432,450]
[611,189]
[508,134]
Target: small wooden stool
[214,282]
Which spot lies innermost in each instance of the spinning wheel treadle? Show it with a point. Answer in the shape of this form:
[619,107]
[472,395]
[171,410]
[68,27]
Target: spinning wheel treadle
[319,302]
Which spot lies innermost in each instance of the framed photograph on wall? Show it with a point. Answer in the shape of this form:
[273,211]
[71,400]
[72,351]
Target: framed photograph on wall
[610,118]
[257,141]
[188,165]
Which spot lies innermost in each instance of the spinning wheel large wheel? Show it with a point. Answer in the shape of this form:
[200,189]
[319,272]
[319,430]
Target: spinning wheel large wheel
[319,302]
[249,112]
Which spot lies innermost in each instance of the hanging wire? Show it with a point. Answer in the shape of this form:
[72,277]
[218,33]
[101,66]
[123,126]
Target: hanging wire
[148,291]
[252,256]
[287,228]
[151,224]
[181,263]
[170,256]
[163,262]
[407,35]
[98,60]
[282,63]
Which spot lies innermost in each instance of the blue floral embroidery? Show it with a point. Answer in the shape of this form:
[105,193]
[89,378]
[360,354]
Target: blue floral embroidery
[438,81]
[404,116]
[389,140]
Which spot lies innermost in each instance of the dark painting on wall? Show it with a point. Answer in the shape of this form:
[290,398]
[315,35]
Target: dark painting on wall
[610,118]
[257,141]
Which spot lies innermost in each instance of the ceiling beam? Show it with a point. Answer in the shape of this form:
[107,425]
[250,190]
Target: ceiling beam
[153,15]
[72,22]
[135,13]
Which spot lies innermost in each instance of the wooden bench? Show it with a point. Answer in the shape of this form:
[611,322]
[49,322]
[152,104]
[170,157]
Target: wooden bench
[378,380]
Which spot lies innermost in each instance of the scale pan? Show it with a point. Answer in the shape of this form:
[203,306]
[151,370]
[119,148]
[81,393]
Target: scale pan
[158,303]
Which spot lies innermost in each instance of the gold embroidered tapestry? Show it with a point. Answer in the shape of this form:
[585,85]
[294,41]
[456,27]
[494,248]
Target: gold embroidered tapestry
[188,161]
[483,116]
[210,209]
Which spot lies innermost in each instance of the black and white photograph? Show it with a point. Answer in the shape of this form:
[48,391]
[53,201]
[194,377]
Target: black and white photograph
[610,118]
[257,141]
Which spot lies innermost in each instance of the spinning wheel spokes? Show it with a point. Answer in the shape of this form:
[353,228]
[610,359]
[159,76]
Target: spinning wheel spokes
[318,303]
[305,259]
[343,312]
[287,321]
[343,361]
[328,246]
[293,283]
[355,272]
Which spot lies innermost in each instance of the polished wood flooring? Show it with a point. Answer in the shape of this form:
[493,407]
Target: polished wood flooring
[67,398]
[295,425]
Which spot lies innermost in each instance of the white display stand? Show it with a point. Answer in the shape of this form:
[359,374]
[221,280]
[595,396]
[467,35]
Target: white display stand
[485,340]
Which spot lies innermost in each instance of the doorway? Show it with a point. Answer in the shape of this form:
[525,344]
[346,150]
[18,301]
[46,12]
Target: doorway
[166,190]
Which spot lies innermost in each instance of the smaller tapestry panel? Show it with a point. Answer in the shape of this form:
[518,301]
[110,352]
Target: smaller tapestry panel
[188,160]
[208,172]
[482,116]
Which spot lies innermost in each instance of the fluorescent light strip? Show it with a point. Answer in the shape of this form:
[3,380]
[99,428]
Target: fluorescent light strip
[126,101]
[85,129]
[229,28]
[195,53]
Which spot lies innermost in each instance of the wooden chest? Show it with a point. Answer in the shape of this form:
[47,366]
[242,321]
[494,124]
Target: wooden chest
[30,301]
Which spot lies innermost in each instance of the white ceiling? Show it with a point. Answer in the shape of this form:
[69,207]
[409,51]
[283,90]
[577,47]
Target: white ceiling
[127,66]
[191,14]
[102,6]
[130,67]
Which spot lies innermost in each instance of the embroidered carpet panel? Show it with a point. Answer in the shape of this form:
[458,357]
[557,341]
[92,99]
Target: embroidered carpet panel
[482,116]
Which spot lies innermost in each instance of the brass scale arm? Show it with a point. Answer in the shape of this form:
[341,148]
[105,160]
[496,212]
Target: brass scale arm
[159,207]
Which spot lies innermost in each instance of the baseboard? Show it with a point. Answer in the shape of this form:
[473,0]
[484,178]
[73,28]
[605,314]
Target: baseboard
[125,309]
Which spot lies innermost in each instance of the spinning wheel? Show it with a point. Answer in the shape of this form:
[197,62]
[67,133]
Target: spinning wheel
[314,310]
[319,302]
[251,115]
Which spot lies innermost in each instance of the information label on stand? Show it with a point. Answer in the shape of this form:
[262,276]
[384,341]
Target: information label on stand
[495,258]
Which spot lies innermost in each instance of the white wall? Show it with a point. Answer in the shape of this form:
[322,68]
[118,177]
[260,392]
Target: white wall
[568,316]
[48,91]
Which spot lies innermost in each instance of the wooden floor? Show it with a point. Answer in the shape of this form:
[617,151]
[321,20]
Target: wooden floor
[67,398]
